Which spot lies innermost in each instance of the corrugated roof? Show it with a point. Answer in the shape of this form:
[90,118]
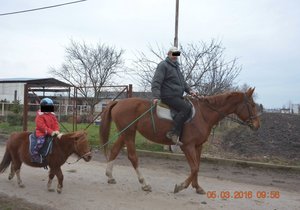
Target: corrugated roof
[37,82]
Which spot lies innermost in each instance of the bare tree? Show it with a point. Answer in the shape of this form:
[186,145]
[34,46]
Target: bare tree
[203,66]
[89,68]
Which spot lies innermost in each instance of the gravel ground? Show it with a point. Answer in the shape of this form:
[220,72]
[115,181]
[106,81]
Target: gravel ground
[277,141]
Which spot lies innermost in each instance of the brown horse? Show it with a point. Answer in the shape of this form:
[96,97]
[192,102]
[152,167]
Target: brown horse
[17,152]
[209,111]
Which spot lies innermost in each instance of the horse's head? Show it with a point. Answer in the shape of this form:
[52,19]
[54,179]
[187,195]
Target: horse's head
[81,145]
[246,110]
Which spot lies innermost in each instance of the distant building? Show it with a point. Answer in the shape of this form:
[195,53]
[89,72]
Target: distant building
[13,89]
[296,108]
[285,110]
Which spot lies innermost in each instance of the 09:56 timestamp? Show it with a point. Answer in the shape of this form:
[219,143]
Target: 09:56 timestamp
[243,194]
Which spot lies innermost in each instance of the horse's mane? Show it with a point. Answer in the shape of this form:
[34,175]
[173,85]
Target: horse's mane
[73,134]
[219,99]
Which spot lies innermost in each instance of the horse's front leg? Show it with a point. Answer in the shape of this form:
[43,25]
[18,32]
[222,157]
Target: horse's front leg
[195,184]
[191,156]
[60,178]
[51,176]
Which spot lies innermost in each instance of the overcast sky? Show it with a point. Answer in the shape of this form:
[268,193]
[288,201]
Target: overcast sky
[263,34]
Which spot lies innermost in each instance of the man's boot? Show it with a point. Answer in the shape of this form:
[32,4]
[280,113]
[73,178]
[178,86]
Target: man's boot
[174,137]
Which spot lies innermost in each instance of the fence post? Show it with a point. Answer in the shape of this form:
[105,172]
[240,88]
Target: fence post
[2,110]
[25,107]
[129,93]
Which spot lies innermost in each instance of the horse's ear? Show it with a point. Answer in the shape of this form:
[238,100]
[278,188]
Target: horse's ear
[250,91]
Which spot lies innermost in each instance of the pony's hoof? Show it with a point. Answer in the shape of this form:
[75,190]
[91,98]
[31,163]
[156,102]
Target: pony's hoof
[111,181]
[58,190]
[147,188]
[200,191]
[10,176]
[50,190]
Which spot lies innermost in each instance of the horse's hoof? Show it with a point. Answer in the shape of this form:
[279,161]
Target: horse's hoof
[111,181]
[58,190]
[147,188]
[21,185]
[178,188]
[200,191]
[10,176]
[50,190]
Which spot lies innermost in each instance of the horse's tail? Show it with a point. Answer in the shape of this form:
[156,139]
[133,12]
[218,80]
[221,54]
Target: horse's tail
[5,161]
[105,126]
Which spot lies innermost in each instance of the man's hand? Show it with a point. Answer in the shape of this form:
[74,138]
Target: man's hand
[194,94]
[155,101]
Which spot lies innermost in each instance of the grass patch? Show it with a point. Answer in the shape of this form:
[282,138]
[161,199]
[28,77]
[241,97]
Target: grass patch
[93,134]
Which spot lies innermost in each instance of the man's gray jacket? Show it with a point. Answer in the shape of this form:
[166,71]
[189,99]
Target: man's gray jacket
[168,80]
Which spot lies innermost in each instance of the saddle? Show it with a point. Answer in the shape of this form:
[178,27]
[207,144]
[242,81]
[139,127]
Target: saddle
[163,111]
[45,150]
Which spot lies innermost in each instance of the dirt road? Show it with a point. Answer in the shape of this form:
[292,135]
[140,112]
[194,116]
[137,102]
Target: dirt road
[85,187]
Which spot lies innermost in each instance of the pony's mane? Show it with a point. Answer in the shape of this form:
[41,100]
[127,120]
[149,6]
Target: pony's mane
[73,134]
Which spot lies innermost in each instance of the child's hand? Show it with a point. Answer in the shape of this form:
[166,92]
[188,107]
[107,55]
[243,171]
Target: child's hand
[55,133]
[59,135]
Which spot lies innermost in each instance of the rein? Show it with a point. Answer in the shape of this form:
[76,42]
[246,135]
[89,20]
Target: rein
[79,158]
[82,156]
[130,124]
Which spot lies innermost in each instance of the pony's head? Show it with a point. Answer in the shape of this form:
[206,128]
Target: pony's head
[246,110]
[81,145]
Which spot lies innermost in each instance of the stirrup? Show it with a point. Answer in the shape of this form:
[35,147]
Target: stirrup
[174,138]
[177,142]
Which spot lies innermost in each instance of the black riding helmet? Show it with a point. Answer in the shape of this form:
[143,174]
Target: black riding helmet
[47,105]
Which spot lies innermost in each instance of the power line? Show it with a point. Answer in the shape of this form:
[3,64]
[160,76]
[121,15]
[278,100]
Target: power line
[40,8]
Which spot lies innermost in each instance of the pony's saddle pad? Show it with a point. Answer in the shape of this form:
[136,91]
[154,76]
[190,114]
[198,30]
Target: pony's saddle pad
[163,111]
[47,146]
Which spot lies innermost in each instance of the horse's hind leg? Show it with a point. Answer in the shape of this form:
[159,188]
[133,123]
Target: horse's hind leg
[134,161]
[12,172]
[118,145]
[20,183]
[16,168]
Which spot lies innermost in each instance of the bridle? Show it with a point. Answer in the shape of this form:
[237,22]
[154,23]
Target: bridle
[247,104]
[250,113]
[82,156]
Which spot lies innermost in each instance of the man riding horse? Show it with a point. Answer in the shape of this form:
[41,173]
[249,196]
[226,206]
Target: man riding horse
[168,85]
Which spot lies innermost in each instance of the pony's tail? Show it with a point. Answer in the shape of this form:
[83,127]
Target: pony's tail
[105,126]
[5,161]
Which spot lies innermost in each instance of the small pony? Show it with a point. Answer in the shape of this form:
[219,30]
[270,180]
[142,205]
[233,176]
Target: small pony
[17,152]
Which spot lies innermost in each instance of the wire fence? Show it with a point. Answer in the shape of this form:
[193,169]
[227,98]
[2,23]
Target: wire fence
[64,113]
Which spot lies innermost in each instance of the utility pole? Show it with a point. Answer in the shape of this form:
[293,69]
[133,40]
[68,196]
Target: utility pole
[176,24]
